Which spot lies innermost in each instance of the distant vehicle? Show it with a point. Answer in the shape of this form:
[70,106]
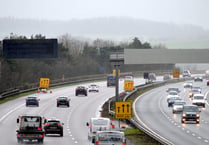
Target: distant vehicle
[190,113]
[81,90]
[197,88]
[198,78]
[178,106]
[32,101]
[207,81]
[111,80]
[207,73]
[63,101]
[172,94]
[194,91]
[166,77]
[188,84]
[186,73]
[199,100]
[172,99]
[97,124]
[129,78]
[31,127]
[109,138]
[54,126]
[93,88]
[151,77]
[173,89]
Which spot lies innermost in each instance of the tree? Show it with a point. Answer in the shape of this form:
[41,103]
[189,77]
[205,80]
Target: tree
[136,43]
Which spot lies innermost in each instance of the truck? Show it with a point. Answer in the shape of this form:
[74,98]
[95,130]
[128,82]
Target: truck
[30,128]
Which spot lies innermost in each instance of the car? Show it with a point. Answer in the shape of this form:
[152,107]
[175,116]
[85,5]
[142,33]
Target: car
[173,89]
[54,126]
[111,80]
[32,101]
[172,99]
[186,73]
[151,77]
[198,88]
[207,81]
[190,113]
[109,138]
[81,90]
[97,124]
[93,88]
[199,100]
[178,106]
[63,101]
[194,91]
[198,78]
[172,94]
[188,84]
[129,78]
[166,77]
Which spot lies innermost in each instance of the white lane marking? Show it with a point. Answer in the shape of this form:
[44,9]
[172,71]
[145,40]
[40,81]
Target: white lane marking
[199,137]
[193,134]
[11,111]
[188,131]
[206,94]
[76,142]
[205,140]
[73,138]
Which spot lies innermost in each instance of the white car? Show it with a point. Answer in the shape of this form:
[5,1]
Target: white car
[93,88]
[188,84]
[186,73]
[199,100]
[178,106]
[172,94]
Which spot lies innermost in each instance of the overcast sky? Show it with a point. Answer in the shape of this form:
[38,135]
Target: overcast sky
[174,11]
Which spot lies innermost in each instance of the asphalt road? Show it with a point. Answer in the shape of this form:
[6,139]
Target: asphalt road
[74,118]
[153,111]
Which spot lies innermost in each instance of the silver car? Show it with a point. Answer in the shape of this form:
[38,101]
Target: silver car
[178,106]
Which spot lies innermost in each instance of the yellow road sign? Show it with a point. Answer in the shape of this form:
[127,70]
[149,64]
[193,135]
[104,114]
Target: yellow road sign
[123,110]
[44,82]
[128,85]
[176,74]
[114,72]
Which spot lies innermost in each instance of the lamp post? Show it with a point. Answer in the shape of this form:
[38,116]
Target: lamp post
[117,59]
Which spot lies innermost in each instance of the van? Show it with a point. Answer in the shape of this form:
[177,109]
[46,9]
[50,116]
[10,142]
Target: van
[98,124]
[109,138]
[111,80]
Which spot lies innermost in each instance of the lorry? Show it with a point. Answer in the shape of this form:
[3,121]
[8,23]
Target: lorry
[30,128]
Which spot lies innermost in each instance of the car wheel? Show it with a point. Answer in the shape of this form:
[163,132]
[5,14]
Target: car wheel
[182,121]
[197,122]
[61,133]
[173,112]
[37,105]
[41,141]
[203,105]
[19,140]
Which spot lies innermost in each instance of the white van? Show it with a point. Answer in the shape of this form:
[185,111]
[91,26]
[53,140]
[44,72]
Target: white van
[109,138]
[98,124]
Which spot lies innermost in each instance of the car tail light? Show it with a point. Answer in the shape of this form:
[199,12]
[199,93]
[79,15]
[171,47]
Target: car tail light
[67,100]
[18,135]
[89,86]
[123,143]
[42,136]
[97,143]
[91,128]
[36,99]
[84,89]
[26,99]
[110,126]
[59,124]
[46,124]
[39,128]
[58,100]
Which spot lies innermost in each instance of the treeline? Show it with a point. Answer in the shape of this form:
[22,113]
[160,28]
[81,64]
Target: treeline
[76,57]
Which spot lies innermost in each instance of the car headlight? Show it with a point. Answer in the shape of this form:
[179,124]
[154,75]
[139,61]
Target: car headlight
[197,115]
[184,115]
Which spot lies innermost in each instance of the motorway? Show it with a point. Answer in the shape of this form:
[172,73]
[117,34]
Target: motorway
[74,118]
[152,109]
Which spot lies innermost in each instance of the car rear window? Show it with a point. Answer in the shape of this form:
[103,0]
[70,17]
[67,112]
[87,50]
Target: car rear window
[100,122]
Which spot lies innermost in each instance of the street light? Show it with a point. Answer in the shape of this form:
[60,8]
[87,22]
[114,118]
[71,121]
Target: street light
[117,59]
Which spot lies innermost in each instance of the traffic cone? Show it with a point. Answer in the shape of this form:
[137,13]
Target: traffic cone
[38,91]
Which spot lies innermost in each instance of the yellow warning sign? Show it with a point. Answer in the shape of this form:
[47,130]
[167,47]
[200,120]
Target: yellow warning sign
[44,83]
[123,110]
[128,85]
[176,74]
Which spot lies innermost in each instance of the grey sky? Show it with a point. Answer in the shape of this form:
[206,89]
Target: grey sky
[174,11]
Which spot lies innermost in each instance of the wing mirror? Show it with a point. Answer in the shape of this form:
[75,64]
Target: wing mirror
[87,124]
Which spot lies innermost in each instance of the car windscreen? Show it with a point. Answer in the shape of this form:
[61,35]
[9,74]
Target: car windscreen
[191,109]
[172,93]
[62,98]
[54,122]
[179,103]
[31,98]
[198,97]
[107,137]
[100,122]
